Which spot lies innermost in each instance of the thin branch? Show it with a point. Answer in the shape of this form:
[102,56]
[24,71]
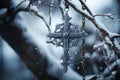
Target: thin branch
[61,9]
[35,13]
[32,11]
[79,11]
[109,16]
[30,3]
[88,10]
[50,13]
[117,36]
[20,3]
[116,50]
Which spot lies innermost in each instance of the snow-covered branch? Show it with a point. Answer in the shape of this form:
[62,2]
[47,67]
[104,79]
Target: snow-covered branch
[109,16]
[86,7]
[36,13]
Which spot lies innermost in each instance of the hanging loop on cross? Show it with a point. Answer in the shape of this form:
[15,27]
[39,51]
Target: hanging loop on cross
[66,7]
[83,7]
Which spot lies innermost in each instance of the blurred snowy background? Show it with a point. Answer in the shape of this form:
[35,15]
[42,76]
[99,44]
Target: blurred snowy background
[11,66]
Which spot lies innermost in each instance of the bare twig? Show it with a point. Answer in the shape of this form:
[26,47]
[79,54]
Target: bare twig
[61,9]
[20,3]
[50,14]
[35,13]
[109,16]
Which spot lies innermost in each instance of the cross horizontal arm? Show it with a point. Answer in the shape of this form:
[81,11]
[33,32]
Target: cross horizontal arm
[55,35]
[77,35]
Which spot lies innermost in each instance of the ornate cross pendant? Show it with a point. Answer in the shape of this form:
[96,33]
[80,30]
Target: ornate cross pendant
[66,35]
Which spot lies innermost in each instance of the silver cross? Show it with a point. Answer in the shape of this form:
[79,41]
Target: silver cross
[66,35]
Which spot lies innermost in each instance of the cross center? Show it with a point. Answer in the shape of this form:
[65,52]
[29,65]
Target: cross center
[65,35]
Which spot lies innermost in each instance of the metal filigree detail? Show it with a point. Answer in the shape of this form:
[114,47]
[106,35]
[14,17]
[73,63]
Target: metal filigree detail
[66,35]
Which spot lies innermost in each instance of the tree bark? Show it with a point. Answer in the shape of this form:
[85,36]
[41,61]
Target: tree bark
[26,50]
